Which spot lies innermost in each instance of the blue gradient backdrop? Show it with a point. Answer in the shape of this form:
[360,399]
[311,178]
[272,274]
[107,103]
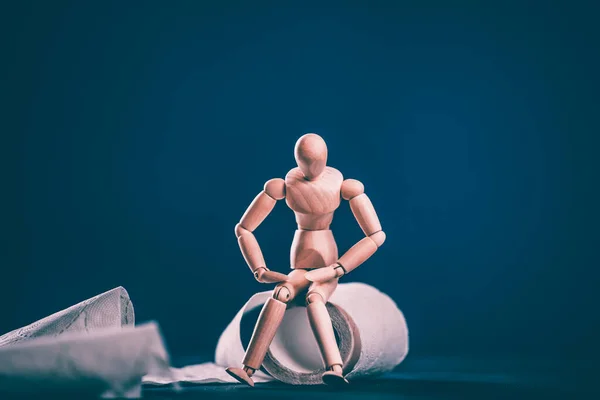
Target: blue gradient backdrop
[136,133]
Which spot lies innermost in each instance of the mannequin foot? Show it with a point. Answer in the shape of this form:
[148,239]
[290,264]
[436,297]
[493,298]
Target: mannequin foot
[242,375]
[335,376]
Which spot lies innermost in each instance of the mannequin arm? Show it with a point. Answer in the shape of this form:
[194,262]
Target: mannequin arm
[259,209]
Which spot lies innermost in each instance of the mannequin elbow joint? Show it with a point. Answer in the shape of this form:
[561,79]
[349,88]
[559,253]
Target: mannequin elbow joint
[240,230]
[378,238]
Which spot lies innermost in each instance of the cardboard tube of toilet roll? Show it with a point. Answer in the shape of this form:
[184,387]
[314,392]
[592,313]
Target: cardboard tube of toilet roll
[371,332]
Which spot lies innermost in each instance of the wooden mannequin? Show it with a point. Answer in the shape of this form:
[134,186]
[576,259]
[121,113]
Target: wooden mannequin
[312,190]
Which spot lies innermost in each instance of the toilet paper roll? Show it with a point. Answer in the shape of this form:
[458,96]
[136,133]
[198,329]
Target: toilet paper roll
[370,329]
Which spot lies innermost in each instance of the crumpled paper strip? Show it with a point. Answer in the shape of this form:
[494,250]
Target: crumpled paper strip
[109,362]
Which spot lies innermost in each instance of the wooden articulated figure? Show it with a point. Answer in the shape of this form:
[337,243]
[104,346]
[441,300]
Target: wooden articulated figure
[313,191]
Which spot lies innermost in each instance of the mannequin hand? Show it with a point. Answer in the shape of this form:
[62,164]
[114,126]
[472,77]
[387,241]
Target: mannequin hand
[263,275]
[320,275]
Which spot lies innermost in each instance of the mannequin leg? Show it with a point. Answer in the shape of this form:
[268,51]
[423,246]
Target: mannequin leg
[320,322]
[267,324]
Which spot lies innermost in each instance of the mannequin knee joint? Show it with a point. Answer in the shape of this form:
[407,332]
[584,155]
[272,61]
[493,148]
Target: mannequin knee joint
[282,294]
[314,298]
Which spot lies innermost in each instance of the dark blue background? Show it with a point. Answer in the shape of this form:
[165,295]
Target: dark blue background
[135,134]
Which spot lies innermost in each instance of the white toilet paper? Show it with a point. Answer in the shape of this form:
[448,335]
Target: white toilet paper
[93,346]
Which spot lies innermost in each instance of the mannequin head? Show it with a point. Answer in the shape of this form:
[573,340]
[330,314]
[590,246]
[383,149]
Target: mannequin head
[311,155]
